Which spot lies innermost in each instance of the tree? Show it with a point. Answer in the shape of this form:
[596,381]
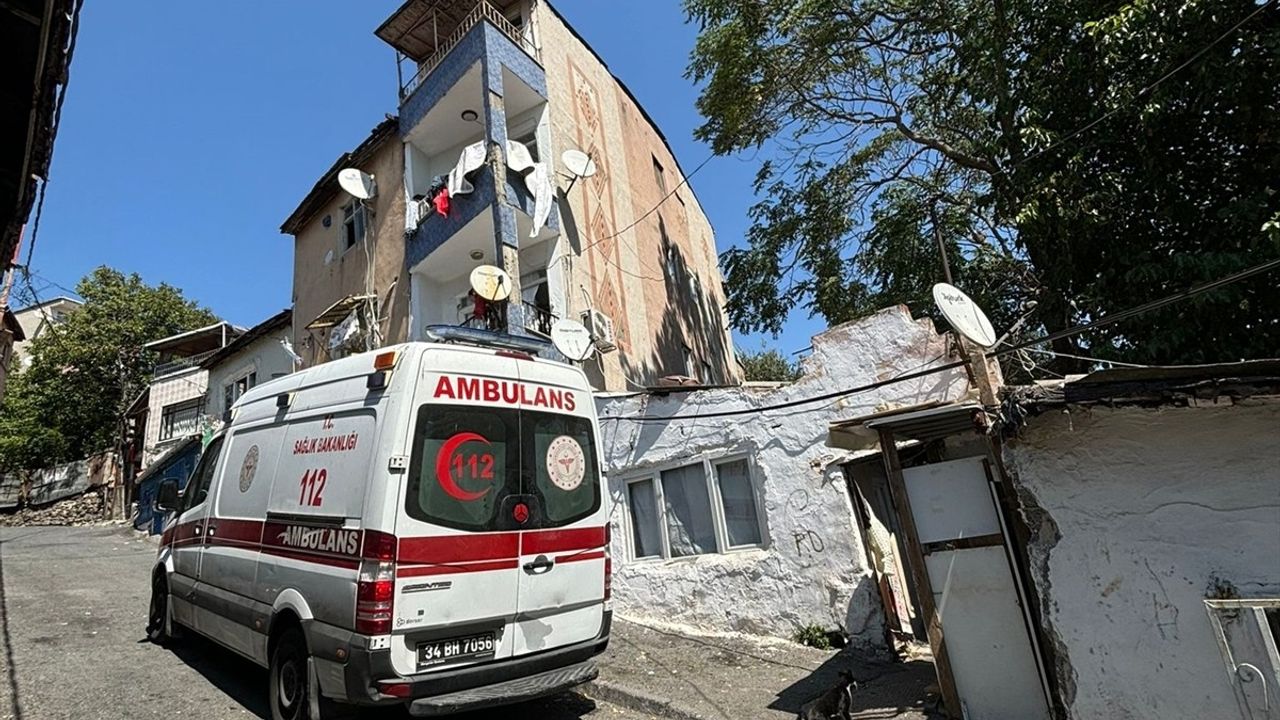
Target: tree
[768,366]
[1086,154]
[84,372]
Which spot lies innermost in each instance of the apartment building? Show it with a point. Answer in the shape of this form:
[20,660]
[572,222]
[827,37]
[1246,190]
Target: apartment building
[471,172]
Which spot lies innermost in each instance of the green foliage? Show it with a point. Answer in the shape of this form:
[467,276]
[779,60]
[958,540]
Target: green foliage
[768,366]
[84,372]
[813,636]
[899,126]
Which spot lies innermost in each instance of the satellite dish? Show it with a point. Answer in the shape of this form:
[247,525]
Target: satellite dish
[491,283]
[572,339]
[358,183]
[964,315]
[578,163]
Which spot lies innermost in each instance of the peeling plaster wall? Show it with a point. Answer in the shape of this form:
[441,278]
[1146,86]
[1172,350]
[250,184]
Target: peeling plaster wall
[1134,513]
[812,568]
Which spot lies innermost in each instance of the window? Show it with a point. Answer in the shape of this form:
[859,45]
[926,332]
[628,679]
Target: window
[469,463]
[696,509]
[659,176]
[202,477]
[181,419]
[530,140]
[233,390]
[689,369]
[354,218]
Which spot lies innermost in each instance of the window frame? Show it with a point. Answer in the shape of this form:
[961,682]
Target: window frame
[709,465]
[349,211]
[171,409]
[230,389]
[659,175]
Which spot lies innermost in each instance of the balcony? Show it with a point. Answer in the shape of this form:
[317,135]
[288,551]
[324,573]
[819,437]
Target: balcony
[438,41]
[173,365]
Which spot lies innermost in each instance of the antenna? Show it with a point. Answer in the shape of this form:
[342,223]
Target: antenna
[491,283]
[572,339]
[965,316]
[579,165]
[358,183]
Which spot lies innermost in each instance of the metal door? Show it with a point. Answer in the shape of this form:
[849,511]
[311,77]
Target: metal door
[992,656]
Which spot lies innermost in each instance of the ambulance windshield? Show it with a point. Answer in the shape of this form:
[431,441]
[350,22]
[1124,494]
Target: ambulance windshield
[472,466]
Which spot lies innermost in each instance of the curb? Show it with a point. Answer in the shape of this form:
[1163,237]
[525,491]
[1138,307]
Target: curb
[637,700]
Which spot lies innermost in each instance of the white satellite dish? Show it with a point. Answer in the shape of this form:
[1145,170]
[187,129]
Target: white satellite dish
[578,163]
[357,182]
[491,283]
[572,339]
[964,315]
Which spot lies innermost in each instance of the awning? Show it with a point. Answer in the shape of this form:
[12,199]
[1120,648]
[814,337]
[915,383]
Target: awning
[337,312]
[923,423]
[415,28]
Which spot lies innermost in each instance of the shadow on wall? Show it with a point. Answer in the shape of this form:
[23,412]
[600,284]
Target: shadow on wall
[690,339]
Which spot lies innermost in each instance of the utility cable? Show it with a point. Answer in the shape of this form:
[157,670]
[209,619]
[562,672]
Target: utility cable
[1069,332]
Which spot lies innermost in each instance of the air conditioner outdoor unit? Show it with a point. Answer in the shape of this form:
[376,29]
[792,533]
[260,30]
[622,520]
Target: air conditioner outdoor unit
[601,328]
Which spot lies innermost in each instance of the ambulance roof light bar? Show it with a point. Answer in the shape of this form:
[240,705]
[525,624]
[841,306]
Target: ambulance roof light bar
[489,339]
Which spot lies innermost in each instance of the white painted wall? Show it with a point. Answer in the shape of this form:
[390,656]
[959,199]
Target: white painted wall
[265,356]
[812,569]
[1151,507]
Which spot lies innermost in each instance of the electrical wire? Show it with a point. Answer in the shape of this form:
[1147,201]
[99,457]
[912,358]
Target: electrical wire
[651,210]
[1116,317]
[1143,91]
[72,32]
[1055,353]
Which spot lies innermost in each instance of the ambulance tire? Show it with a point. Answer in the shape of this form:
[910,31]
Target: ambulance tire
[162,629]
[289,691]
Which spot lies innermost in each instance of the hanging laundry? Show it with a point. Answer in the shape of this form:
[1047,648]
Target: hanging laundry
[471,160]
[537,178]
[518,157]
[441,201]
[539,183]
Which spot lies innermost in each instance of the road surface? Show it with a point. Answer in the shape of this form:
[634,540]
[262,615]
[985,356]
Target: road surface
[73,606]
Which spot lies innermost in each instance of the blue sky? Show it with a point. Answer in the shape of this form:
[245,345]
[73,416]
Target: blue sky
[191,130]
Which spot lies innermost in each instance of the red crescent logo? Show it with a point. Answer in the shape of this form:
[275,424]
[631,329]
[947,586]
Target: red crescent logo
[443,474]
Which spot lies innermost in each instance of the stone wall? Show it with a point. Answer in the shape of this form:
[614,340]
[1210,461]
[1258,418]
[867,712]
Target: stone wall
[1138,515]
[811,567]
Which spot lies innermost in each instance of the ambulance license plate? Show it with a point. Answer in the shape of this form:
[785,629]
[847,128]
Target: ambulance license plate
[442,652]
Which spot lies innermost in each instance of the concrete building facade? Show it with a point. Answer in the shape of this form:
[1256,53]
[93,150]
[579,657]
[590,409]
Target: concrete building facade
[745,521]
[176,399]
[1154,509]
[493,96]
[257,356]
[36,320]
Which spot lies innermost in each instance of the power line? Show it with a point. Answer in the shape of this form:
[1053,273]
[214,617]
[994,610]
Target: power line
[1103,117]
[1141,309]
[651,210]
[1115,317]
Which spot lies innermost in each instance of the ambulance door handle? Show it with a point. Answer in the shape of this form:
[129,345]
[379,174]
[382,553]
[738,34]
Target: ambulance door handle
[541,564]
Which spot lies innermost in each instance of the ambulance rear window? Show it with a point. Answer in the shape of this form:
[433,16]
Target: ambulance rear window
[465,462]
[469,460]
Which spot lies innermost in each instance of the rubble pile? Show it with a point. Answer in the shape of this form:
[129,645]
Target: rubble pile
[83,510]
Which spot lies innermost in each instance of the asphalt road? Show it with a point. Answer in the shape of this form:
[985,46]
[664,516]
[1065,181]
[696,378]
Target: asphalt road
[73,605]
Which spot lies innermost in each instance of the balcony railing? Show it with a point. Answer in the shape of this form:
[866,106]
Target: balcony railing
[482,12]
[537,320]
[182,363]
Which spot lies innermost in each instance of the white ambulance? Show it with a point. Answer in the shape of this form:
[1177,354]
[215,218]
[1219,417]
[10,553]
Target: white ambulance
[424,525]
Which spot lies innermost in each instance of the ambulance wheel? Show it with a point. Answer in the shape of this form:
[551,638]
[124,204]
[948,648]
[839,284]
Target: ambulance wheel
[290,689]
[161,629]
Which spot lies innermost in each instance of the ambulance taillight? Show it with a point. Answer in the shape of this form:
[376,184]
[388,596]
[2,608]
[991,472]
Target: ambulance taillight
[376,584]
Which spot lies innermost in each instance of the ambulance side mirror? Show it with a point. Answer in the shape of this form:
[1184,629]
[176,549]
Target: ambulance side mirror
[167,495]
